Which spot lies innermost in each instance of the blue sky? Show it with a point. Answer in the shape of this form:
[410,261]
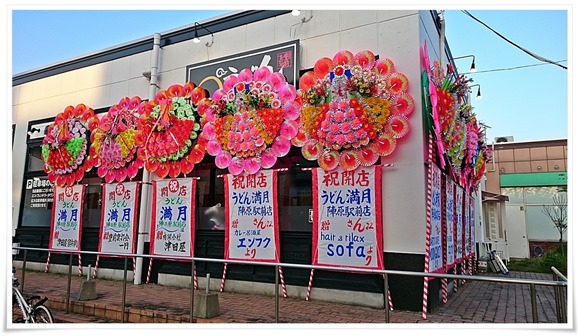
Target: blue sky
[529,103]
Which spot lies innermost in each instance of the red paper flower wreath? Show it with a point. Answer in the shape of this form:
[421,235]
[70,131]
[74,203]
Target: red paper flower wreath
[353,110]
[168,131]
[65,149]
[113,142]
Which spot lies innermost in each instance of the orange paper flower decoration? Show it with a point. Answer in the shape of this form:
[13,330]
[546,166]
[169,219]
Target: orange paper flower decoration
[354,108]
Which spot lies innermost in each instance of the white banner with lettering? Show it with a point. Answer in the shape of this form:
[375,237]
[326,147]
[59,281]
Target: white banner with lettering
[435,245]
[251,209]
[450,222]
[347,229]
[172,217]
[459,247]
[67,217]
[119,217]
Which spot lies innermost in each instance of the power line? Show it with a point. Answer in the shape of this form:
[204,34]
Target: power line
[512,68]
[515,45]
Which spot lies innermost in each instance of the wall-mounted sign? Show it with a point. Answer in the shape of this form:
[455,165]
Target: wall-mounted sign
[281,58]
[39,193]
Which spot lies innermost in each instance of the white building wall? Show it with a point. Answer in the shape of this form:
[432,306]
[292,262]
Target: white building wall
[393,34]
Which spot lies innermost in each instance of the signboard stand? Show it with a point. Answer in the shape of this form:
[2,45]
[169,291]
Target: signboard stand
[118,225]
[97,266]
[47,266]
[346,213]
[172,229]
[251,216]
[66,225]
[434,257]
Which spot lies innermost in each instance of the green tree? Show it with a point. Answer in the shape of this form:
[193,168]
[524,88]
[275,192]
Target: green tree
[558,214]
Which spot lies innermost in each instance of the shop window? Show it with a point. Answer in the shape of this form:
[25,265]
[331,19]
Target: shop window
[34,161]
[515,195]
[92,203]
[295,200]
[539,195]
[210,199]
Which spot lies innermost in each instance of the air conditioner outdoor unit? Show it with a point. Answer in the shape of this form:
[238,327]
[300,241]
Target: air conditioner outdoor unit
[500,139]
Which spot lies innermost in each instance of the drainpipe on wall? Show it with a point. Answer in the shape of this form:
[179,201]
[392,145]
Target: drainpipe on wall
[144,218]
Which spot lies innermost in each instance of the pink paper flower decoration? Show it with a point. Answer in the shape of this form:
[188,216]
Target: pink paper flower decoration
[250,122]
[113,141]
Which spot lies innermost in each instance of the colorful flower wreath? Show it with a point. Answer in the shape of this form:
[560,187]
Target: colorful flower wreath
[354,109]
[460,140]
[65,148]
[168,129]
[250,121]
[113,142]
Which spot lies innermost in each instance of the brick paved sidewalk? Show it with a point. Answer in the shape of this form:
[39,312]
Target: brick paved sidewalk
[475,302]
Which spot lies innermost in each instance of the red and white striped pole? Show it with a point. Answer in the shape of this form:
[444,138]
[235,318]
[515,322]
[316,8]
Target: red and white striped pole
[390,300]
[444,290]
[195,278]
[47,262]
[96,266]
[80,266]
[463,271]
[428,225]
[456,280]
[134,266]
[282,281]
[223,277]
[149,271]
[309,285]
[470,265]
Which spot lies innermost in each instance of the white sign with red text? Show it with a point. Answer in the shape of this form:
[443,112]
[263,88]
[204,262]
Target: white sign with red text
[450,222]
[67,216]
[435,244]
[172,217]
[119,218]
[252,216]
[472,224]
[459,242]
[347,229]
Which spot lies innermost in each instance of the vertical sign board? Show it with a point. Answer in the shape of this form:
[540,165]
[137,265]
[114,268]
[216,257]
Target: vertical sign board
[459,224]
[66,221]
[467,226]
[472,224]
[252,217]
[172,225]
[435,245]
[347,230]
[119,218]
[449,220]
